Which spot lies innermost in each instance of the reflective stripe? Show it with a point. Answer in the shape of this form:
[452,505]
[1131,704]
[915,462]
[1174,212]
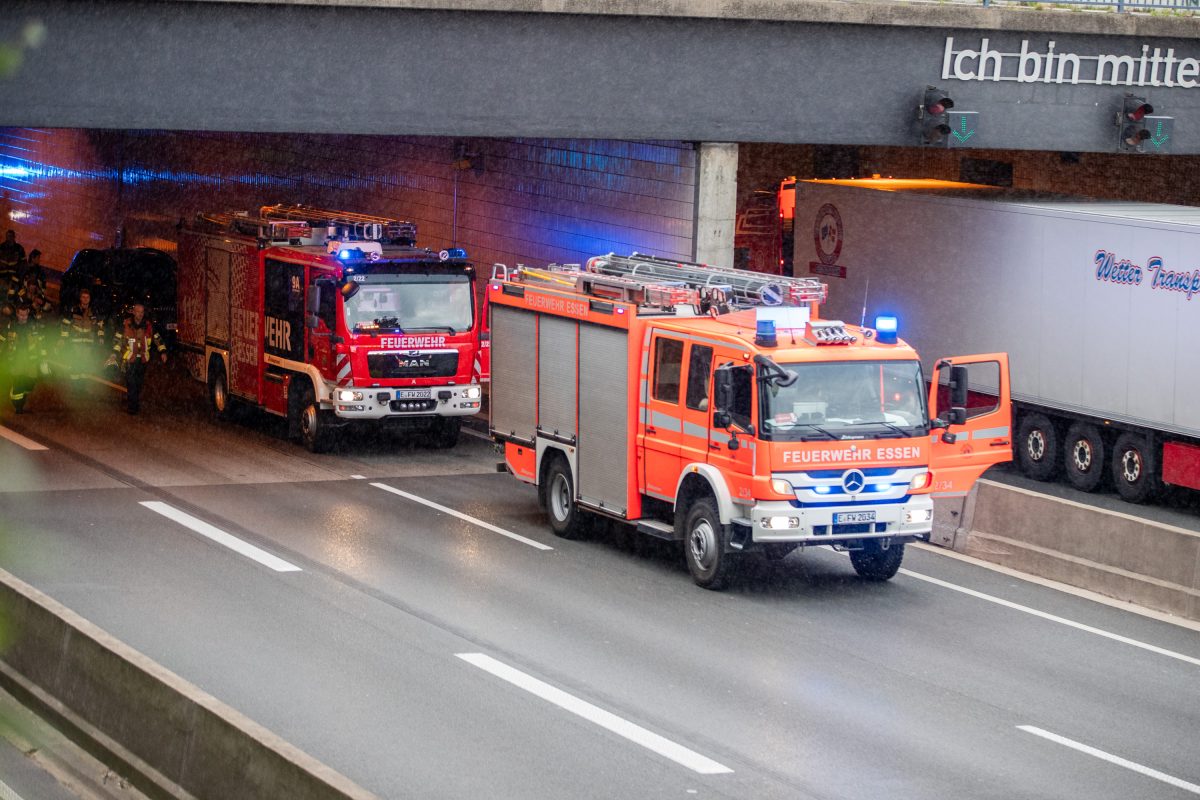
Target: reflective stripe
[991,433]
[661,420]
[692,429]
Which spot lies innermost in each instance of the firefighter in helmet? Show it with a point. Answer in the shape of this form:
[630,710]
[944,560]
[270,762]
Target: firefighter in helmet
[24,354]
[81,335]
[133,342]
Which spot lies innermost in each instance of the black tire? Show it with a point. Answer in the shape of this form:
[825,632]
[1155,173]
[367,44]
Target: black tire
[218,391]
[1084,457]
[1135,468]
[566,520]
[1039,454]
[445,432]
[313,423]
[873,563]
[704,542]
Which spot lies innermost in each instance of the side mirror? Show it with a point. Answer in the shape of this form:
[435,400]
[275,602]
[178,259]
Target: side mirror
[721,419]
[957,415]
[310,321]
[314,301]
[734,444]
[958,387]
[949,438]
[722,392]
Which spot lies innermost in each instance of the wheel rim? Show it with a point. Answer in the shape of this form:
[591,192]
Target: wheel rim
[703,543]
[308,421]
[219,397]
[1131,466]
[1082,452]
[1035,445]
[560,498]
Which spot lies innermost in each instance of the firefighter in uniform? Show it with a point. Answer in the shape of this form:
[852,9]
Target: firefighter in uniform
[32,295]
[134,340]
[24,354]
[82,331]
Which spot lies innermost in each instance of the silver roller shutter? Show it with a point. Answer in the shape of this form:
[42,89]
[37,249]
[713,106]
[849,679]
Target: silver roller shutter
[556,376]
[603,400]
[514,372]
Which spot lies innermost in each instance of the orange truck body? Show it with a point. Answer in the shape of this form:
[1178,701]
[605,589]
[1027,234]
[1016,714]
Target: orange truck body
[626,399]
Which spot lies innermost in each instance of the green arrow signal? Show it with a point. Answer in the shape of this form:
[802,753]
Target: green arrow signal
[962,137]
[1159,138]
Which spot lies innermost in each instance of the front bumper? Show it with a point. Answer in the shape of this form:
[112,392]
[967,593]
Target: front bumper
[912,519]
[386,403]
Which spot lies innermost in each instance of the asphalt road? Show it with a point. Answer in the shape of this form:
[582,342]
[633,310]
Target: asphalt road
[411,621]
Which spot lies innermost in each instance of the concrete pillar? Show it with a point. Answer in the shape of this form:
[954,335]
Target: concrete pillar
[716,203]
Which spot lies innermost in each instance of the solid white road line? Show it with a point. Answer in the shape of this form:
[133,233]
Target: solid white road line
[1109,757]
[1060,620]
[221,537]
[462,516]
[594,714]
[16,438]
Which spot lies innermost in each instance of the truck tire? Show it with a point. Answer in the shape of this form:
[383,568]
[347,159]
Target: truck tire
[1135,468]
[1084,457]
[218,390]
[444,434]
[704,546]
[313,422]
[1038,449]
[873,563]
[566,520]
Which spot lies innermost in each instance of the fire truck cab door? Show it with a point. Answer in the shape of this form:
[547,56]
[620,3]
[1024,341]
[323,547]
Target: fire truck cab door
[662,423]
[972,393]
[321,322]
[735,463]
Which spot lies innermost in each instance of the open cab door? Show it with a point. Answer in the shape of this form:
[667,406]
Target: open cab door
[969,399]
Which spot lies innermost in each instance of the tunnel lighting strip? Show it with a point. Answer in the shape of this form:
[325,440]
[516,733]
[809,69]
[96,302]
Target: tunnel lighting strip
[220,537]
[1109,757]
[594,714]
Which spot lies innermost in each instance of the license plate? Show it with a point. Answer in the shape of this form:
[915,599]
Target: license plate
[853,516]
[413,394]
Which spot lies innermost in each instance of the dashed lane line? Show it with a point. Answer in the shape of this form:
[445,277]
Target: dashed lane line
[1110,758]
[18,439]
[596,715]
[220,537]
[466,517]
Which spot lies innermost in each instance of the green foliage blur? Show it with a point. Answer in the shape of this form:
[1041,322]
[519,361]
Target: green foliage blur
[12,54]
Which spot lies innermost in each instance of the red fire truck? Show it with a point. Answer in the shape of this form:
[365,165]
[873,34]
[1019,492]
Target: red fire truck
[327,318]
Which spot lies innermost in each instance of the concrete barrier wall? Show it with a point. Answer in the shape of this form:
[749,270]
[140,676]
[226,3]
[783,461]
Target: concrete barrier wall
[176,740]
[1111,553]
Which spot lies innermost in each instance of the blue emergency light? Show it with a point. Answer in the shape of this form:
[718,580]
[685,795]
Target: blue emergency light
[765,334]
[885,330]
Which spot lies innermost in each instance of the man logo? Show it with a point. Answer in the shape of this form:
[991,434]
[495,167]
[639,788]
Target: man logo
[854,481]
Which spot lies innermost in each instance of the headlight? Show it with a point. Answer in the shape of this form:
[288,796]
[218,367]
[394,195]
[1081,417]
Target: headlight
[918,515]
[779,523]
[920,480]
[472,393]
[346,395]
[780,486]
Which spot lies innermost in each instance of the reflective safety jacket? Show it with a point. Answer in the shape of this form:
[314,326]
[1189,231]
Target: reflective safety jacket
[82,326]
[22,345]
[134,341]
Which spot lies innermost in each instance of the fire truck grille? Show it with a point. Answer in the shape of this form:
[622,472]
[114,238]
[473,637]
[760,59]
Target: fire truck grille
[412,365]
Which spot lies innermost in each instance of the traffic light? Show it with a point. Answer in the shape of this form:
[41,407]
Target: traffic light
[933,114]
[1139,130]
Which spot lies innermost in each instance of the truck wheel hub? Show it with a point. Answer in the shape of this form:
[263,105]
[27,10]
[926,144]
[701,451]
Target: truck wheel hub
[1131,465]
[1083,455]
[1036,445]
[703,542]
[559,499]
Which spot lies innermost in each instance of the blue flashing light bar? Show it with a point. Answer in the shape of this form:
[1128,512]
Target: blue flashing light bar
[885,329]
[765,333]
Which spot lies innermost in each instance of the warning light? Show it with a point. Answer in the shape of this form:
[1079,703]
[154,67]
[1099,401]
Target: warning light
[765,333]
[885,330]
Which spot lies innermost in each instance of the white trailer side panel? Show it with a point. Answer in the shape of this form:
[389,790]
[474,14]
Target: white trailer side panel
[978,275]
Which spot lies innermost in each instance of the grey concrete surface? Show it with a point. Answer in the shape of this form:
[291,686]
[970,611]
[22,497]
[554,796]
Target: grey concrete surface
[804,680]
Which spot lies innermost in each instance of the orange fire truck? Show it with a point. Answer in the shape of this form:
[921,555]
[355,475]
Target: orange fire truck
[328,318]
[714,407]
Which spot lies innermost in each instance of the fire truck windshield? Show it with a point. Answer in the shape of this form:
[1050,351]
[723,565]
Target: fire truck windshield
[846,399]
[397,302]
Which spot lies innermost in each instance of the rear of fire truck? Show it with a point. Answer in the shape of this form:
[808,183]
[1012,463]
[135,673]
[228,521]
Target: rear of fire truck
[714,408]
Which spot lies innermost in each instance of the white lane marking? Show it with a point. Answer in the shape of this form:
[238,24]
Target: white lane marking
[1109,757]
[594,714]
[16,438]
[1124,605]
[221,537]
[359,477]
[462,516]
[476,434]
[1060,620]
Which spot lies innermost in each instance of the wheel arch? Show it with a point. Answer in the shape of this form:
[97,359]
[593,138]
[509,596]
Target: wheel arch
[698,479]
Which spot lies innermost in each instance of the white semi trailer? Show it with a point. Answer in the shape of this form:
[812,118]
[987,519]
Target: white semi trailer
[1097,304]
